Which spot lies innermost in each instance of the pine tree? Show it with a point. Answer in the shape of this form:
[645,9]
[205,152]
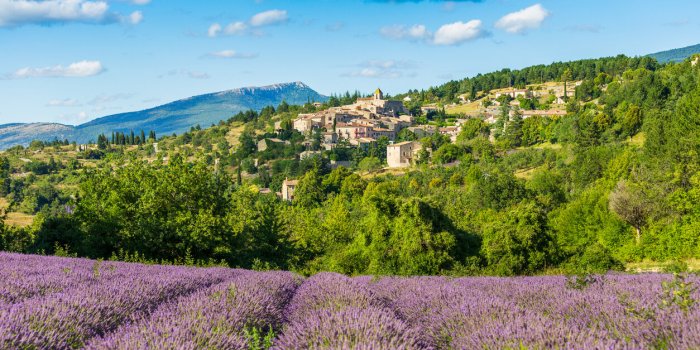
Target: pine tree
[309,193]
[239,177]
[566,76]
[102,142]
[514,129]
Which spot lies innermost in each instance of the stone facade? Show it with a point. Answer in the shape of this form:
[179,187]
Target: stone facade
[402,154]
[288,187]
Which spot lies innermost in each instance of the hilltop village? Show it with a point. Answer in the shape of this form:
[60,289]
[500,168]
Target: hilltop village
[367,121]
[362,123]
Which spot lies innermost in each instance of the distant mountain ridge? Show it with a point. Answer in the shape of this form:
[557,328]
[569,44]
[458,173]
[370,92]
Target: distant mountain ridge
[676,55]
[21,134]
[173,117]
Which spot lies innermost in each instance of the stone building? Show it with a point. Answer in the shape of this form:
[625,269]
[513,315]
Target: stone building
[288,187]
[402,154]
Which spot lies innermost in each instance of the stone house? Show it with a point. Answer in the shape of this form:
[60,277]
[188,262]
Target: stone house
[402,154]
[303,124]
[288,188]
[451,132]
[363,142]
[352,131]
[376,133]
[330,137]
[422,131]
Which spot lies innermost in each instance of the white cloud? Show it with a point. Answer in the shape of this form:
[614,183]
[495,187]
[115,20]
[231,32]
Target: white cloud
[520,21]
[74,70]
[20,12]
[458,32]
[398,32]
[235,28]
[384,64]
[375,73]
[448,34]
[67,102]
[389,69]
[136,17]
[232,54]
[105,99]
[214,30]
[418,32]
[258,20]
[268,17]
[393,31]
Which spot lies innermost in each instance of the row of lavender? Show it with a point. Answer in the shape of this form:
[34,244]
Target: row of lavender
[60,303]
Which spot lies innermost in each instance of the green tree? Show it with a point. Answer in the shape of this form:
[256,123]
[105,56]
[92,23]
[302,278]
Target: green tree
[565,77]
[472,128]
[447,153]
[247,145]
[517,242]
[5,180]
[631,204]
[369,164]
[353,186]
[632,120]
[309,193]
[514,129]
[163,211]
[334,181]
[102,142]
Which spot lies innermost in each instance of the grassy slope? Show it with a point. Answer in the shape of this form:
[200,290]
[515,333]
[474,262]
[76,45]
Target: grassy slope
[14,218]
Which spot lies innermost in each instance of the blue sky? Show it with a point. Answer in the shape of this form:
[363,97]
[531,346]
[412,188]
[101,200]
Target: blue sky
[71,61]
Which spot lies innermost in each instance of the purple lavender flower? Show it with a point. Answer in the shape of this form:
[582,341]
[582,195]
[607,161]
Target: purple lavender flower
[64,303]
[214,318]
[349,328]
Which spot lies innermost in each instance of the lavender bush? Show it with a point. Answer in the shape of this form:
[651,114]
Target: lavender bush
[350,328]
[66,319]
[64,303]
[218,317]
[331,311]
[26,276]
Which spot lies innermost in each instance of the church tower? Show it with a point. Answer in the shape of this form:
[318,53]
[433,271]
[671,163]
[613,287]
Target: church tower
[378,94]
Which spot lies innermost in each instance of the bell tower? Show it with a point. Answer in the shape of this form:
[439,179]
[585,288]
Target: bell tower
[378,94]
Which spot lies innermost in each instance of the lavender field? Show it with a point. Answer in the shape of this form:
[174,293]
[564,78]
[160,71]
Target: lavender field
[64,303]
